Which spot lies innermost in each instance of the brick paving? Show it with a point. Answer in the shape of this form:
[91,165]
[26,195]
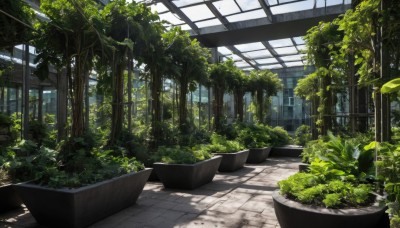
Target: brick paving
[237,199]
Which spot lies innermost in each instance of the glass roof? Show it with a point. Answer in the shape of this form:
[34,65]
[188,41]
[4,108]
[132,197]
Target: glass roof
[198,15]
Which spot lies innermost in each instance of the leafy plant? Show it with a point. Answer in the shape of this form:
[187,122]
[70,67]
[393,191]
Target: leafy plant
[339,175]
[219,144]
[255,136]
[302,135]
[181,155]
[388,170]
[279,137]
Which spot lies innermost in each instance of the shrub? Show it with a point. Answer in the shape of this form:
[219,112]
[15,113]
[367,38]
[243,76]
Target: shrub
[219,144]
[302,135]
[255,136]
[337,178]
[181,155]
[279,137]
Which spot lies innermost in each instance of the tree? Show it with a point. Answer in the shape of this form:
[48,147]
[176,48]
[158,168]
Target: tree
[238,85]
[131,27]
[321,41]
[263,84]
[221,74]
[69,39]
[191,60]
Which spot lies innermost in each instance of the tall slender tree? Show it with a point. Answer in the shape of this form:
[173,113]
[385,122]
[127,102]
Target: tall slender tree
[191,60]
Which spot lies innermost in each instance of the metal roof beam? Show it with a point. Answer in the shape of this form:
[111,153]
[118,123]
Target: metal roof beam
[266,7]
[238,53]
[173,9]
[217,14]
[273,53]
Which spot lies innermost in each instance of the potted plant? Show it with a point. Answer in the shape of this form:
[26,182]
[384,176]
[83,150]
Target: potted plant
[8,197]
[281,144]
[184,167]
[233,154]
[89,185]
[257,139]
[337,192]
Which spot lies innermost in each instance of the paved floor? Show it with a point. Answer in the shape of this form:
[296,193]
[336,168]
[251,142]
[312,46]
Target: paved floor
[237,199]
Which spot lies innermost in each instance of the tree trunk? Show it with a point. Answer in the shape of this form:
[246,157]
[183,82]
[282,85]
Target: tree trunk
[260,106]
[117,114]
[183,123]
[219,102]
[78,86]
[156,106]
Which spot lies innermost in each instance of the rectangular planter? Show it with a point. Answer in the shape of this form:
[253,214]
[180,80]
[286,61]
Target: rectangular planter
[286,151]
[9,198]
[187,176]
[232,161]
[258,155]
[83,206]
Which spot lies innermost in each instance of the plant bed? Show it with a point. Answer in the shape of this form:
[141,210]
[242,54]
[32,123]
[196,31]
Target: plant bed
[9,198]
[232,161]
[187,176]
[258,155]
[286,151]
[292,214]
[82,206]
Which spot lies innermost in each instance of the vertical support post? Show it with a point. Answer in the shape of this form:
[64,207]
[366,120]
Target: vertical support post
[40,105]
[8,100]
[385,76]
[27,73]
[199,106]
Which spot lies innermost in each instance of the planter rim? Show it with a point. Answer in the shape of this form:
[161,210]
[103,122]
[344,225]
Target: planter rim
[289,146]
[79,189]
[200,162]
[242,151]
[321,210]
[258,148]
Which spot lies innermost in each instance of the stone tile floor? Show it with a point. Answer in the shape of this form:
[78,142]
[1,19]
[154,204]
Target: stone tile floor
[237,199]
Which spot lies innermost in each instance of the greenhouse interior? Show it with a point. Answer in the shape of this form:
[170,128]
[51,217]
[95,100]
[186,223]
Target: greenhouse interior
[200,113]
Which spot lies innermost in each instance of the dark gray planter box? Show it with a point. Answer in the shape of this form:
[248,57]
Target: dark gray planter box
[258,155]
[292,214]
[9,198]
[187,176]
[303,167]
[83,206]
[232,161]
[286,151]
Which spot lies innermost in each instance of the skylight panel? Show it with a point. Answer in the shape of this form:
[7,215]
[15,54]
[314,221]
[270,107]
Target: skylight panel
[224,51]
[173,19]
[257,54]
[242,64]
[321,3]
[185,27]
[250,46]
[298,40]
[301,47]
[235,57]
[159,7]
[275,66]
[226,7]
[286,50]
[292,58]
[271,2]
[247,16]
[248,69]
[208,23]
[292,64]
[281,43]
[248,4]
[180,3]
[266,61]
[293,7]
[197,13]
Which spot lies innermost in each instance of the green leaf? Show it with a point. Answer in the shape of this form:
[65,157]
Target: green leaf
[371,146]
[391,86]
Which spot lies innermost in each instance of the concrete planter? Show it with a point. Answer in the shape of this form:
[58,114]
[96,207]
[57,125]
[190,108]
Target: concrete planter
[303,167]
[258,155]
[232,161]
[83,206]
[292,214]
[286,151]
[9,198]
[187,176]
